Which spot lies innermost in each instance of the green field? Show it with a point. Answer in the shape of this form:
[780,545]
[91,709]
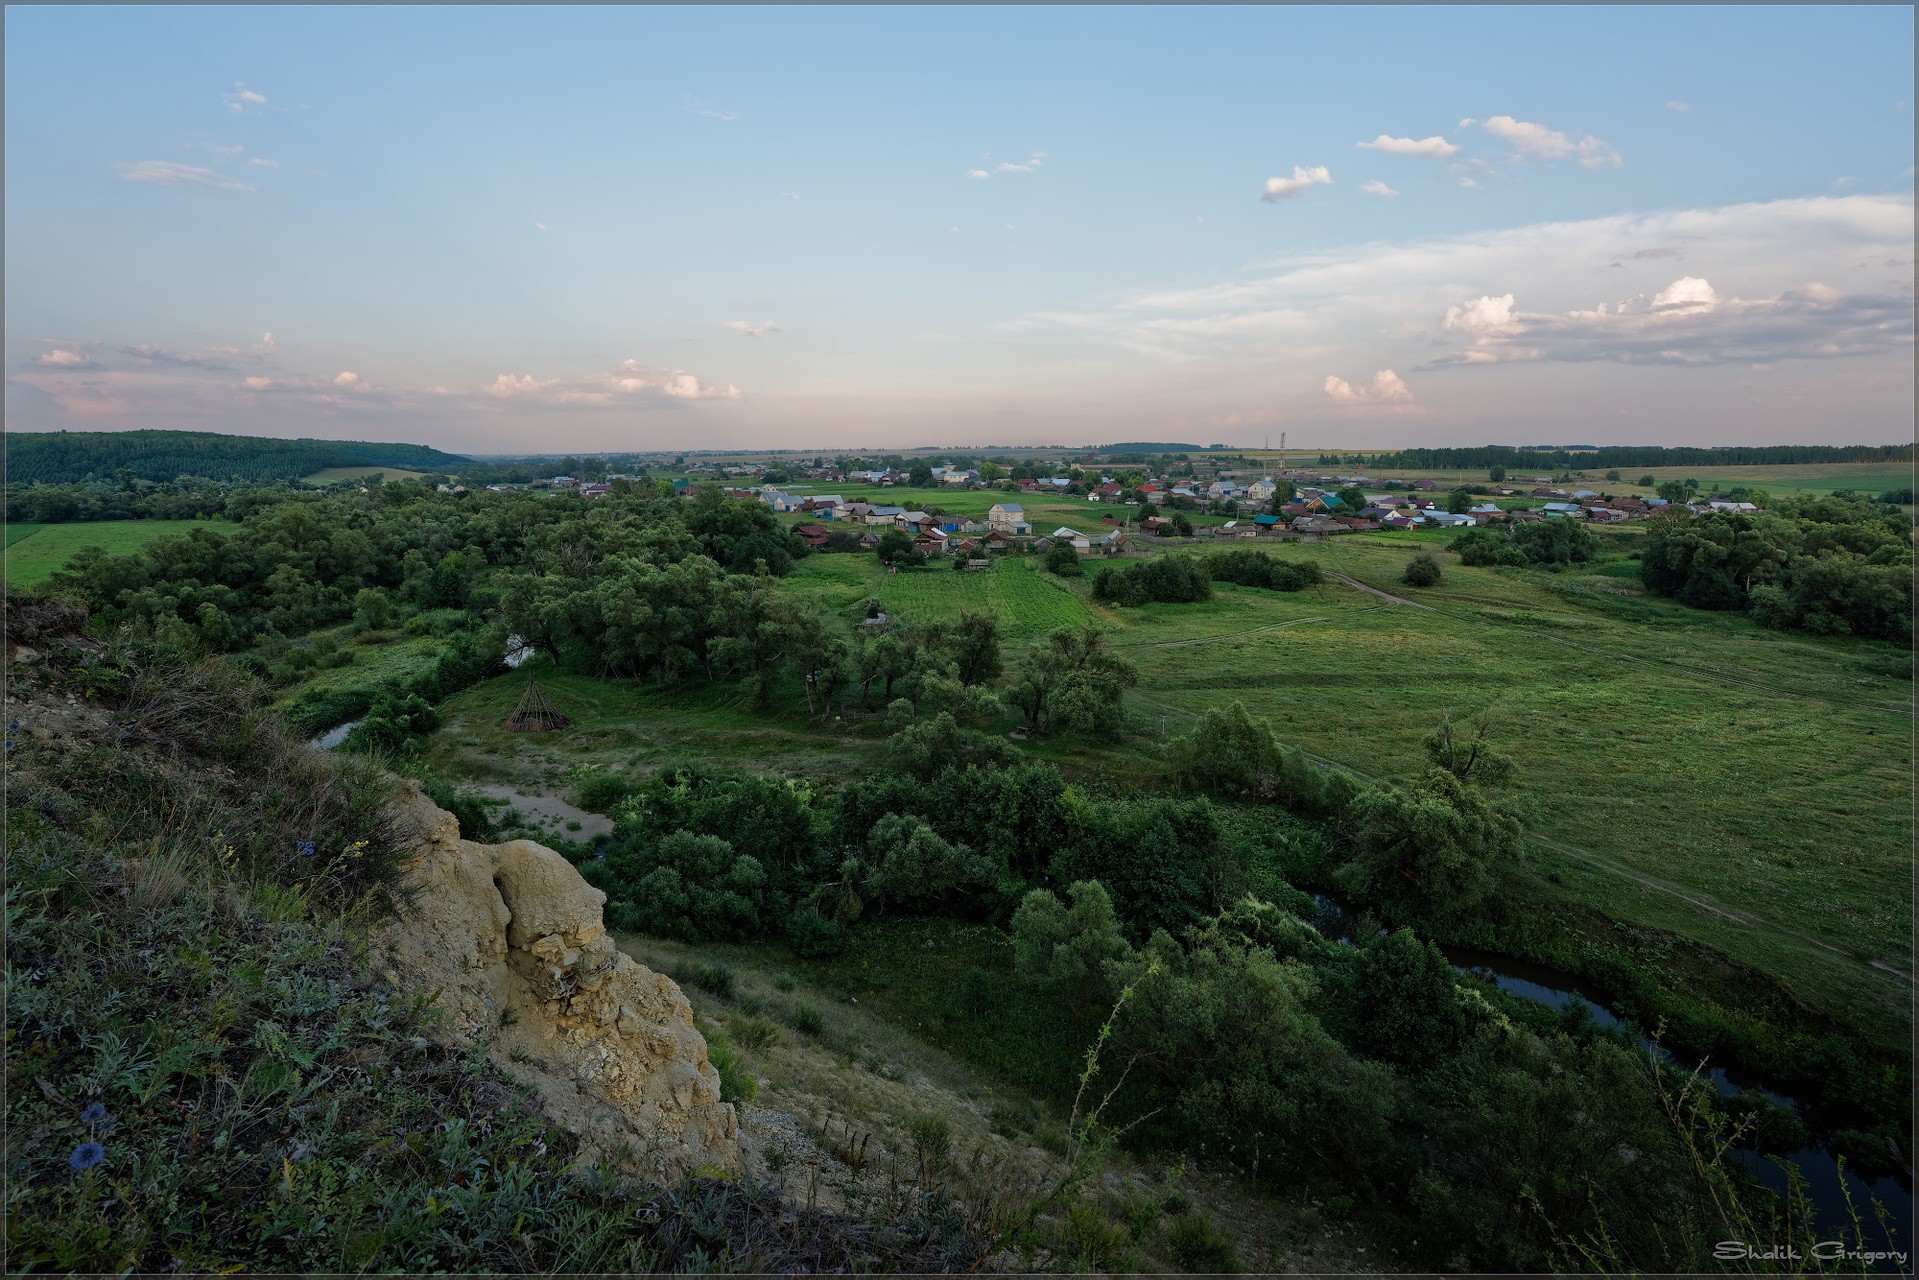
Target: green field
[1781,480]
[335,475]
[1692,771]
[37,554]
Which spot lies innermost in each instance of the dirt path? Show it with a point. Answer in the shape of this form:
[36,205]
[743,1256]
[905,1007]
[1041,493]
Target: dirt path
[550,810]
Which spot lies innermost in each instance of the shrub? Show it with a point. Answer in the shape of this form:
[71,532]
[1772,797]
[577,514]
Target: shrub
[716,978]
[1166,579]
[1063,560]
[1256,569]
[1422,571]
[737,1083]
[1197,1246]
[1484,547]
[807,1019]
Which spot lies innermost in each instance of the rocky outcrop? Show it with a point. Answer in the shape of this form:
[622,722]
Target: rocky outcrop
[510,938]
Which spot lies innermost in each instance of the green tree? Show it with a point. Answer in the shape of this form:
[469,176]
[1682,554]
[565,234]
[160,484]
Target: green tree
[896,548]
[1497,474]
[1673,491]
[921,475]
[1648,481]
[1072,948]
[976,648]
[1459,501]
[372,608]
[692,887]
[1063,559]
[912,863]
[1438,845]
[1073,681]
[1422,571]
[1409,1012]
[1353,497]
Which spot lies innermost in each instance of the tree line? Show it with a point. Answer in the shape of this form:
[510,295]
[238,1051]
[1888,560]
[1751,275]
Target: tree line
[1618,456]
[67,457]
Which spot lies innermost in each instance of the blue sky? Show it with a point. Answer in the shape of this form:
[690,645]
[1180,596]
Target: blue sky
[504,229]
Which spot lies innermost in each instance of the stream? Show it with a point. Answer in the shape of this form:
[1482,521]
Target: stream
[336,735]
[1814,1162]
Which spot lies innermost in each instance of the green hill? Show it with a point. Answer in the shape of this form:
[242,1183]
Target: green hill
[64,457]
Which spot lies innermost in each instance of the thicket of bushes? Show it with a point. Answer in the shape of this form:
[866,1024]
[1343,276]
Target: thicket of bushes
[1182,579]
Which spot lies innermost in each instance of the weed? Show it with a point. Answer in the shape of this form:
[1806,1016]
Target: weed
[807,1019]
[1197,1245]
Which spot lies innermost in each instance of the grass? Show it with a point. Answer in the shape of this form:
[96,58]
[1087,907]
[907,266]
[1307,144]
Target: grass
[43,550]
[1692,772]
[336,475]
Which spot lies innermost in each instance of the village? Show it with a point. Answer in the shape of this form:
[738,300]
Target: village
[1143,505]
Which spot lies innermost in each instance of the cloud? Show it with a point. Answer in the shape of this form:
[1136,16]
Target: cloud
[64,358]
[262,162]
[750,329]
[211,358]
[1388,389]
[1378,188]
[1537,142]
[1674,104]
[1686,323]
[625,382]
[1028,165]
[1387,302]
[691,106]
[346,378]
[257,382]
[541,226]
[243,99]
[1436,147]
[789,195]
[165,173]
[1287,188]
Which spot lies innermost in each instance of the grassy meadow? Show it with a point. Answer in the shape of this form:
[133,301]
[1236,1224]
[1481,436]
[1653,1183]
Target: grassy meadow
[1691,771]
[1780,480]
[337,475]
[35,552]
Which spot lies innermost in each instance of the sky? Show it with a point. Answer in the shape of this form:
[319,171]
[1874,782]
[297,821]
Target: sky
[501,230]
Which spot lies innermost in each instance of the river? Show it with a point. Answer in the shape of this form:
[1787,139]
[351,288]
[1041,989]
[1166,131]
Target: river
[1814,1161]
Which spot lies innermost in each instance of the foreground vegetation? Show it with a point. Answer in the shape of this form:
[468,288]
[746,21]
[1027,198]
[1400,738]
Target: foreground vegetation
[1150,836]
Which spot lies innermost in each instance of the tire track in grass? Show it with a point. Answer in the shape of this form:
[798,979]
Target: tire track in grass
[1700,673]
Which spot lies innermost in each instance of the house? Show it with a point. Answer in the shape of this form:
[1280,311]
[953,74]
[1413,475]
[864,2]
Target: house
[1487,509]
[1583,494]
[1570,509]
[813,535]
[1317,525]
[977,564]
[1081,542]
[1356,523]
[884,515]
[1265,522]
[1042,544]
[1111,540]
[1153,524]
[931,543]
[1234,529]
[997,541]
[1395,521]
[1422,484]
[1325,503]
[1446,519]
[1008,517]
[951,477]
[1548,493]
[1105,493]
[595,490]
[1261,491]
[1720,505]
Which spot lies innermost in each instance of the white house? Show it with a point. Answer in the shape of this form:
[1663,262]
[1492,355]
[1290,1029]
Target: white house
[1080,541]
[1009,517]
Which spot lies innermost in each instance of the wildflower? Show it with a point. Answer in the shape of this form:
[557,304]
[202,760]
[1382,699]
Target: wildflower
[304,848]
[9,744]
[97,1117]
[85,1156]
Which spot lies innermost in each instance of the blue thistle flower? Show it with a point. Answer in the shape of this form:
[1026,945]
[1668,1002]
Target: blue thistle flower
[97,1117]
[86,1156]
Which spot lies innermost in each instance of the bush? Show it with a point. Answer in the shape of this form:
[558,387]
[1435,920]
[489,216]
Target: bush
[1063,560]
[1423,571]
[1165,579]
[807,1019]
[1257,569]
[714,978]
[737,1082]
[1485,547]
[1198,1247]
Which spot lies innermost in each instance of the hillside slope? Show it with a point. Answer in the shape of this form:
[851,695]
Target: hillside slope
[64,457]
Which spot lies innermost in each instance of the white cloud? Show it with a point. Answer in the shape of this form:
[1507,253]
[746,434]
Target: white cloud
[541,226]
[258,383]
[1303,178]
[692,107]
[166,173]
[148,353]
[1471,184]
[1688,293]
[750,329]
[1028,165]
[243,99]
[1387,389]
[1686,323]
[346,378]
[261,162]
[1674,104]
[1436,147]
[1378,188]
[1388,303]
[64,358]
[1537,142]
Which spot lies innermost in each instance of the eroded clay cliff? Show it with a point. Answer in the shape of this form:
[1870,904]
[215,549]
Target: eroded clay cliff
[511,939]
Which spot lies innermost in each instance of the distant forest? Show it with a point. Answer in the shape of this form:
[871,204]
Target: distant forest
[1620,456]
[65,457]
